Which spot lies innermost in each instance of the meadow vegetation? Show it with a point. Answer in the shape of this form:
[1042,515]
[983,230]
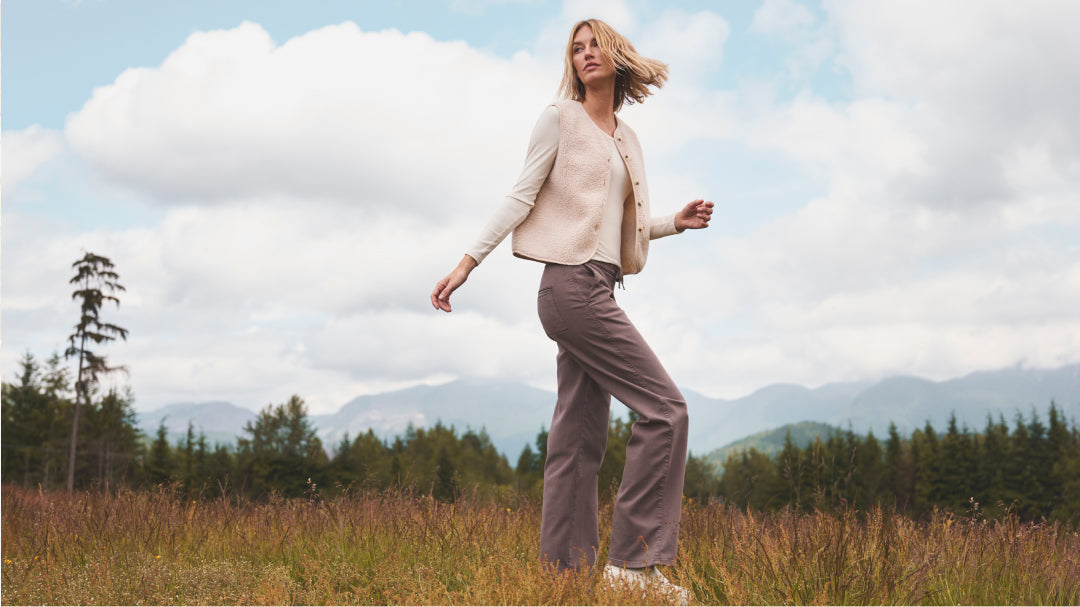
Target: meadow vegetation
[435,516]
[397,547]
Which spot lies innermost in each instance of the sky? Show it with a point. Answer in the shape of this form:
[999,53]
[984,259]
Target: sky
[281,183]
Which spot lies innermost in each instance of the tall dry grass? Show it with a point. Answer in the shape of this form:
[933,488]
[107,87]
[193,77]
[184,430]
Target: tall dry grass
[367,548]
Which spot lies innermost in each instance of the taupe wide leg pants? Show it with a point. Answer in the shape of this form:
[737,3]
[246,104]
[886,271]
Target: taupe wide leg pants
[601,354]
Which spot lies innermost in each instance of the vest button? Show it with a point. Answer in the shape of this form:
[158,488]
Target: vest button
[639,203]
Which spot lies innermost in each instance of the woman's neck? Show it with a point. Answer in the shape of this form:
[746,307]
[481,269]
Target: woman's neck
[599,103]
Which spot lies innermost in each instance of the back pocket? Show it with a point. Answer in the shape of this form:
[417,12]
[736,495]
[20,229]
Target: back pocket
[550,316]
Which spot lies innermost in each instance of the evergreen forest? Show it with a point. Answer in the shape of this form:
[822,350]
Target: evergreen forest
[1029,468]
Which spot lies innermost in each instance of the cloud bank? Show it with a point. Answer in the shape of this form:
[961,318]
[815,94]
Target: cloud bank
[309,193]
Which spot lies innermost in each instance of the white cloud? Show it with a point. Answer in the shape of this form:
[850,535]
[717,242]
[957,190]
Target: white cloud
[691,43]
[252,302]
[368,118]
[479,7]
[839,294]
[940,242]
[24,152]
[314,191]
[405,345]
[985,81]
[613,12]
[781,17]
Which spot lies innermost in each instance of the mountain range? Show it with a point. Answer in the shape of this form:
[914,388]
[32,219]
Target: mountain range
[514,413]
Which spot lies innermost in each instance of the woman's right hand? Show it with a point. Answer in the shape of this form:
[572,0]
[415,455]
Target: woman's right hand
[440,297]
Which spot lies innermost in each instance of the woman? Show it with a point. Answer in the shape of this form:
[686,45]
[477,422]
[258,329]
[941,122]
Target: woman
[581,206]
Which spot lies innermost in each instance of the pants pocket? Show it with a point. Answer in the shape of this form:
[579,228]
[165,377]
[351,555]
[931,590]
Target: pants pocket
[553,321]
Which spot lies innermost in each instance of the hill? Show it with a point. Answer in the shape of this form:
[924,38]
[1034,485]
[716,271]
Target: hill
[222,422]
[771,442]
[513,413]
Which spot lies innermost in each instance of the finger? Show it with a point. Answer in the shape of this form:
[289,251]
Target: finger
[439,286]
[444,298]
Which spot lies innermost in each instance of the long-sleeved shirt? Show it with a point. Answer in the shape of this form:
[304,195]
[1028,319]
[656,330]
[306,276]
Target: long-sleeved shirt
[543,148]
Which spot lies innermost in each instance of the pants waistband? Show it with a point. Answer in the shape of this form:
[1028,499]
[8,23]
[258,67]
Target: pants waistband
[610,269]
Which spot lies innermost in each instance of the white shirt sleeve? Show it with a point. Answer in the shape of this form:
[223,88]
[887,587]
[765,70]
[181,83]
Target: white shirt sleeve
[543,147]
[662,226]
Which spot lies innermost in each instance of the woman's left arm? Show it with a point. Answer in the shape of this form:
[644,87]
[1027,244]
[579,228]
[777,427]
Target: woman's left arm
[693,216]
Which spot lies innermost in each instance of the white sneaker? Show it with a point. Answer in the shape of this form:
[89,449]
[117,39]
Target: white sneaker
[645,578]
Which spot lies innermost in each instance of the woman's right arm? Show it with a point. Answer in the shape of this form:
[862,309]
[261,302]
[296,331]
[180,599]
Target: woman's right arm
[440,297]
[543,147]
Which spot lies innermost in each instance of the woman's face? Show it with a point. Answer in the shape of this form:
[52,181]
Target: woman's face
[589,62]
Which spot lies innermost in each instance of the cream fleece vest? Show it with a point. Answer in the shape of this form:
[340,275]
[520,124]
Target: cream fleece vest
[564,224]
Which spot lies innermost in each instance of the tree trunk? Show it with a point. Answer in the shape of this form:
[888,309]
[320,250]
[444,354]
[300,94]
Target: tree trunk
[79,389]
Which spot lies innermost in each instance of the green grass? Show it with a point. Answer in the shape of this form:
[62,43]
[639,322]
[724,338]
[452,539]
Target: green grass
[367,548]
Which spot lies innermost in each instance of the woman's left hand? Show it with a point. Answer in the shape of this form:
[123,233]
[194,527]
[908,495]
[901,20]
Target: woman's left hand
[694,216]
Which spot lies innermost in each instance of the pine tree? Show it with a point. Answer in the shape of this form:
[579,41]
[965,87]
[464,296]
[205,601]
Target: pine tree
[926,455]
[870,476]
[97,283]
[161,465]
[990,471]
[1058,451]
[1018,485]
[749,480]
[956,486]
[1037,468]
[113,432]
[35,412]
[790,469]
[701,482]
[900,471]
[282,451]
[445,488]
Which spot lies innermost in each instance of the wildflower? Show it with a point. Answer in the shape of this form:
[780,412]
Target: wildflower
[7,561]
[158,556]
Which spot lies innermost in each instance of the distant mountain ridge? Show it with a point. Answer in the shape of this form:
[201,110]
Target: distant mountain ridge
[220,421]
[513,413]
[771,442]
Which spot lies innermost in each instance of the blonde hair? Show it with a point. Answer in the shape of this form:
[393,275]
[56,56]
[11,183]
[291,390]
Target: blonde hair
[634,73]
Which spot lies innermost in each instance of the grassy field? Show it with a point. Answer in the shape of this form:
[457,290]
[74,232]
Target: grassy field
[160,548]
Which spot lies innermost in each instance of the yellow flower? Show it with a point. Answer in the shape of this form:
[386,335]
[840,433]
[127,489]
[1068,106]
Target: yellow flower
[158,556]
